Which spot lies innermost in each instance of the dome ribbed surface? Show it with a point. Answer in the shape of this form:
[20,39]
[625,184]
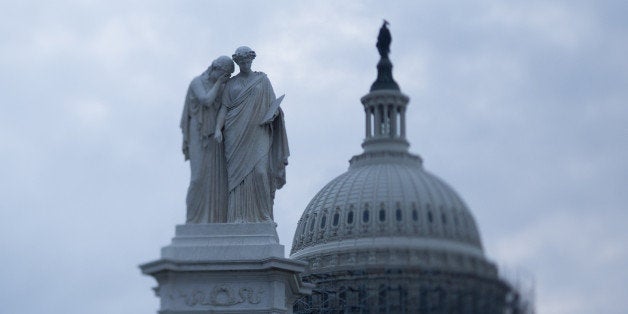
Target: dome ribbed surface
[383,196]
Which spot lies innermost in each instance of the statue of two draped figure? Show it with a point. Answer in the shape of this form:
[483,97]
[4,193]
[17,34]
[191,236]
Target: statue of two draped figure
[235,138]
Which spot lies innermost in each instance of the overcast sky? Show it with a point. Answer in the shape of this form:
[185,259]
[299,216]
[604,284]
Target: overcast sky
[522,106]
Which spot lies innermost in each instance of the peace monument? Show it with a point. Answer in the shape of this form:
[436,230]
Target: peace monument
[227,258]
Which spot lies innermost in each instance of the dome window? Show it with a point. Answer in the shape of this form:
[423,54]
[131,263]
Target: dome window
[398,214]
[382,212]
[365,215]
[415,212]
[444,218]
[335,219]
[312,223]
[350,217]
[430,217]
[304,226]
[323,221]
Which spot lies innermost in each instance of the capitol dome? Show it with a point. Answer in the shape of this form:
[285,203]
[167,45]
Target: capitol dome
[388,210]
[387,200]
[387,236]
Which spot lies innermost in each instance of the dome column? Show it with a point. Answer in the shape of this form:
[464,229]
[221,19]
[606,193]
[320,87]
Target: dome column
[393,122]
[402,119]
[367,115]
[380,118]
[385,120]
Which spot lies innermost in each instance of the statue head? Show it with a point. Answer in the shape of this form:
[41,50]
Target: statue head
[223,63]
[244,56]
[243,53]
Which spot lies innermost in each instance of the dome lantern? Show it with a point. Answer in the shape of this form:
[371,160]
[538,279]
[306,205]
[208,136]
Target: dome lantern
[385,105]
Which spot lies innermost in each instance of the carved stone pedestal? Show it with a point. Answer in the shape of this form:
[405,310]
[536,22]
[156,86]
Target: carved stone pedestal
[226,268]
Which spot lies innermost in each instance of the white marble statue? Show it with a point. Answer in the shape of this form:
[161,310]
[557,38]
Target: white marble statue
[256,146]
[207,195]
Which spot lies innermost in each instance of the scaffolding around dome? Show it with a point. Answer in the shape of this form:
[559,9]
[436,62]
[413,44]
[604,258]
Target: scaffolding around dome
[387,236]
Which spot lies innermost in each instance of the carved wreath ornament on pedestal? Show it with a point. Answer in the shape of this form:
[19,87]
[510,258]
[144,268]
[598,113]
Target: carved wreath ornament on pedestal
[222,295]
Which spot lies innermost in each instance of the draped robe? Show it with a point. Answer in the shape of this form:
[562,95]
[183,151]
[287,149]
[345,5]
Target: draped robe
[206,199]
[256,153]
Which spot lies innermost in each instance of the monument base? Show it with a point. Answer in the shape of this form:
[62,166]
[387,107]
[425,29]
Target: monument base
[226,268]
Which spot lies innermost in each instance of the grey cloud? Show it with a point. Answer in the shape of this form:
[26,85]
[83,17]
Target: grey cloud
[519,106]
